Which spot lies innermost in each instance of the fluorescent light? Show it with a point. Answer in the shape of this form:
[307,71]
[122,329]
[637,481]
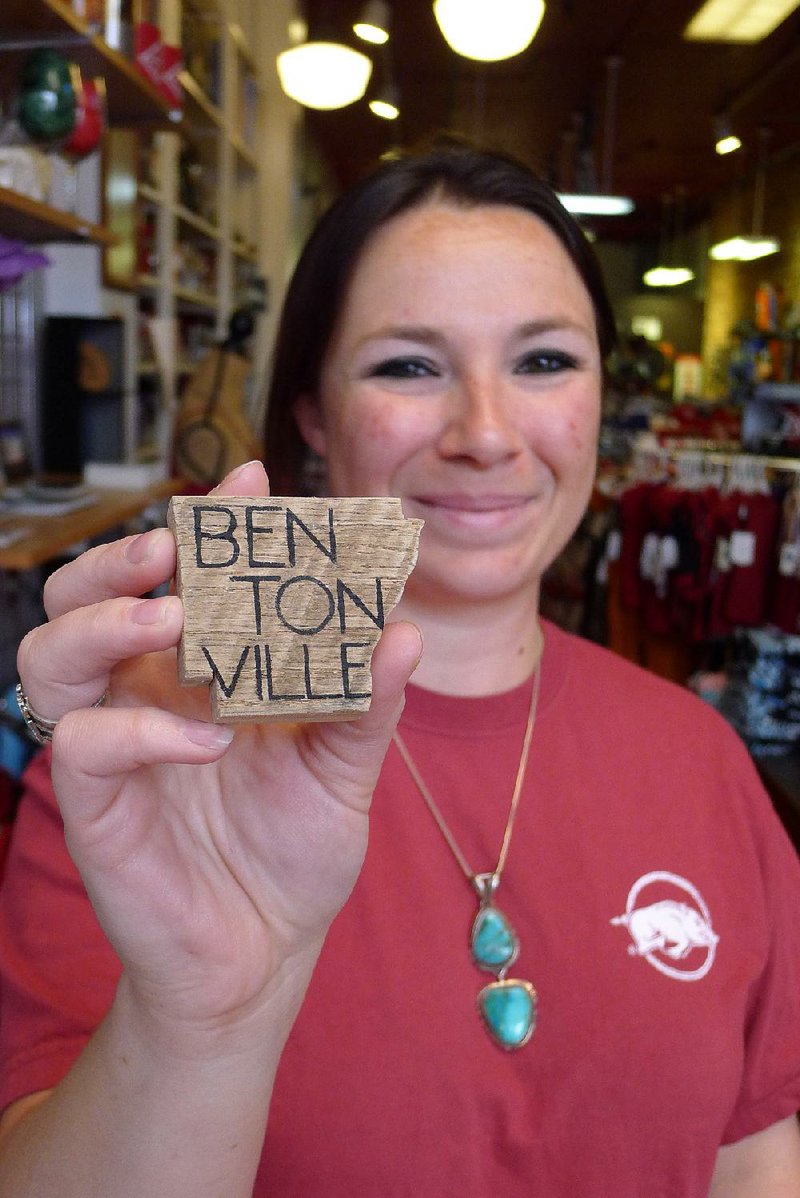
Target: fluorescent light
[737,20]
[727,145]
[324,74]
[488,30]
[744,249]
[667,276]
[596,205]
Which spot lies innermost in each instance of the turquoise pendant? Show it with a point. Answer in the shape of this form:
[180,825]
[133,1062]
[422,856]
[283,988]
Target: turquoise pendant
[507,1006]
[493,942]
[508,1010]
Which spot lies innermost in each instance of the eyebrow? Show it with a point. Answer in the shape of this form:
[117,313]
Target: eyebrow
[430,336]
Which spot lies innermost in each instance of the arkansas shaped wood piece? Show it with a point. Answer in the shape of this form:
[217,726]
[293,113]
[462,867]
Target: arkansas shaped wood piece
[284,600]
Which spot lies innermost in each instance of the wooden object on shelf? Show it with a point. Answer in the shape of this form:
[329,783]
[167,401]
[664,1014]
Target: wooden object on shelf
[45,537]
[212,434]
[285,598]
[30,221]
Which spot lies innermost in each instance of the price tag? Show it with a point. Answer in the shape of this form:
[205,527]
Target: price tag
[789,560]
[668,553]
[648,558]
[743,547]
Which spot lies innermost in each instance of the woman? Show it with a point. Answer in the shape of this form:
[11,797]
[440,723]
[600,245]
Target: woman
[601,835]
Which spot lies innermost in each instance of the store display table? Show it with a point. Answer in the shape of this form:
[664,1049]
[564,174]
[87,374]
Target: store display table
[46,536]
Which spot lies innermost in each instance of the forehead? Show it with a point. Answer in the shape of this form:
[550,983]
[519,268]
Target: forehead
[442,251]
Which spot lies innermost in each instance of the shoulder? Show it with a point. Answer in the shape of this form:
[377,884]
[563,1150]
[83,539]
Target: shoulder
[600,684]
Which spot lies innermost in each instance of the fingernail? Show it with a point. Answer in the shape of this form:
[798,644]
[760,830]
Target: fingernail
[155,611]
[241,469]
[210,736]
[142,548]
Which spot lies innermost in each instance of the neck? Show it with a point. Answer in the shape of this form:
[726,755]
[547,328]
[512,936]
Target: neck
[478,649]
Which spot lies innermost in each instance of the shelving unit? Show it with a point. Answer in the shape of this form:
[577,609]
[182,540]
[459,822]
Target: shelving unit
[181,230]
[29,220]
[131,99]
[202,195]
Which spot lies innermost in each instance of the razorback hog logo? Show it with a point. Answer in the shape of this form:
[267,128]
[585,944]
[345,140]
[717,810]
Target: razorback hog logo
[668,930]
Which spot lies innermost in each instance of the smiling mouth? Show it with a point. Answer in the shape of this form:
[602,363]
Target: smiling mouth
[473,511]
[474,504]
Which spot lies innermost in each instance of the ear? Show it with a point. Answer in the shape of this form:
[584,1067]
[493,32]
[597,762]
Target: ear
[307,413]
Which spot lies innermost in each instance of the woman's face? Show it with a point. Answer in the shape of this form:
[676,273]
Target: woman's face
[464,377]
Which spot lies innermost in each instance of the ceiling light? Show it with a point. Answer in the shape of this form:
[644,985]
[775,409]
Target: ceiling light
[667,276]
[745,248]
[727,144]
[725,140]
[324,74]
[737,20]
[385,110]
[373,25]
[666,273]
[596,205]
[488,30]
[386,102]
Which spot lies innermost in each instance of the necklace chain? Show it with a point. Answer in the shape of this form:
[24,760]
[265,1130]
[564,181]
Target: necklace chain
[479,881]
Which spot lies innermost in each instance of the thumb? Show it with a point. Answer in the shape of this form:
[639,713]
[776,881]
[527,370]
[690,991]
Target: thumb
[249,479]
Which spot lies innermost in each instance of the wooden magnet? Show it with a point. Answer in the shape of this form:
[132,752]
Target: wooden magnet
[284,600]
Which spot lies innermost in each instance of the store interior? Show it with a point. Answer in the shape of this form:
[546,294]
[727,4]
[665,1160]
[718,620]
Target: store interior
[157,179]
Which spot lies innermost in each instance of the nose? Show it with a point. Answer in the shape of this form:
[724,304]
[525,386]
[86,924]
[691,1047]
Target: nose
[479,426]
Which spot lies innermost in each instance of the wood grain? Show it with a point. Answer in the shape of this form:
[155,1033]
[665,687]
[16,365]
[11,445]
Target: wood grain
[285,598]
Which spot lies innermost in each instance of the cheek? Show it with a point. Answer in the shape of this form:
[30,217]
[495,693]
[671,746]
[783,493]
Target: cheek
[570,434]
[373,439]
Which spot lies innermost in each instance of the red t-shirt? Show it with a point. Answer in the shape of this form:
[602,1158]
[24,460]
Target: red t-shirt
[654,894]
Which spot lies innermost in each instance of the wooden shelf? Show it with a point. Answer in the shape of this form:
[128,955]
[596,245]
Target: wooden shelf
[244,156]
[244,252]
[149,194]
[196,222]
[131,99]
[240,42]
[196,299]
[197,99]
[31,221]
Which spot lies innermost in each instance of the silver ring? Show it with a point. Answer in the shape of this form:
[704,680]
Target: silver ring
[39,728]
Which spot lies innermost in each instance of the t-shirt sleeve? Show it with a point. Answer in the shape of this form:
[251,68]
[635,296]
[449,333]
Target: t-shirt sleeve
[770,1089]
[58,972]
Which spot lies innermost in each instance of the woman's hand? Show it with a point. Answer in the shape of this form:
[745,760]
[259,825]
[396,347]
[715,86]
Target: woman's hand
[215,861]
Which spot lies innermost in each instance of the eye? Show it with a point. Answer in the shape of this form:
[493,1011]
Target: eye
[546,361]
[402,368]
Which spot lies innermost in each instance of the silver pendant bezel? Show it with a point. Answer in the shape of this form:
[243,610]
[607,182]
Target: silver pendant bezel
[497,970]
[504,983]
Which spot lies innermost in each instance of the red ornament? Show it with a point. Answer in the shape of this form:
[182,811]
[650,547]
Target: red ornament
[88,131]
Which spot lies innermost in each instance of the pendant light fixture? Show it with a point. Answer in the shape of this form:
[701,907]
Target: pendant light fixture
[725,140]
[386,102]
[488,30]
[322,71]
[747,247]
[373,24]
[591,201]
[666,273]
